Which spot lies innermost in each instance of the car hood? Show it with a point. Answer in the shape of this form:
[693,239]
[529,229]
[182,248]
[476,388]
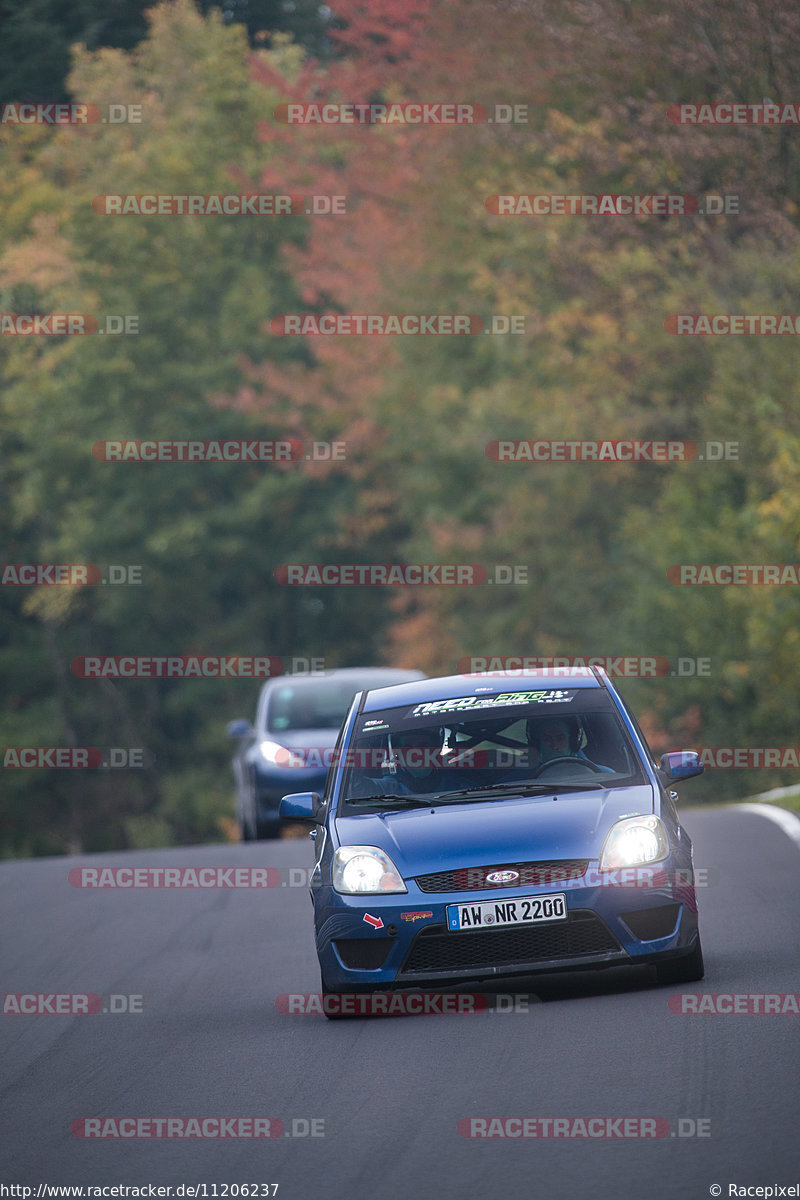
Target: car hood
[520,829]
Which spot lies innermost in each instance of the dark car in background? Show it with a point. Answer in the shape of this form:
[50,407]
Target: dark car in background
[289,747]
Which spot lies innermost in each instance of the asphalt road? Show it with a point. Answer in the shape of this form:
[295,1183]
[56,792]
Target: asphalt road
[388,1094]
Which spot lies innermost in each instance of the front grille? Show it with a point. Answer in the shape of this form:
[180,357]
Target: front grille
[547,873]
[363,954]
[583,934]
[649,923]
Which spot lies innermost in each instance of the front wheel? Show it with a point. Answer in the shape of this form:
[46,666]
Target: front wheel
[247,829]
[688,969]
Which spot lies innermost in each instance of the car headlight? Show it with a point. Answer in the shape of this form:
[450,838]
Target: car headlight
[365,870]
[634,842]
[278,756]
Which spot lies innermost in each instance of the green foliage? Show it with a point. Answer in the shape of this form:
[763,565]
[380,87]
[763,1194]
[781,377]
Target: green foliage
[595,362]
[37,35]
[206,537]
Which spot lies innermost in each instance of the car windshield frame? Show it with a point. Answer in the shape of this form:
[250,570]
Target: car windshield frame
[494,731]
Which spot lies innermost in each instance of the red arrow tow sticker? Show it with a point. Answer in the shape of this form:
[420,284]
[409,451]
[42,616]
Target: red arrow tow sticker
[375,921]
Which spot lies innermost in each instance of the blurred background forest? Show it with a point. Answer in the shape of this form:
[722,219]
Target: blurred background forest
[415,413]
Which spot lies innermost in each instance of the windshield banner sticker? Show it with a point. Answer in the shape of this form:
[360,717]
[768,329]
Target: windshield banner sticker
[504,700]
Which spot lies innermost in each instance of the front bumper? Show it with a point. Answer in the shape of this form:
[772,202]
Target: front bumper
[381,942]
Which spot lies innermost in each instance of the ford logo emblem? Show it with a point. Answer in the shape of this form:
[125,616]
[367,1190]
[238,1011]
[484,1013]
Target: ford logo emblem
[502,877]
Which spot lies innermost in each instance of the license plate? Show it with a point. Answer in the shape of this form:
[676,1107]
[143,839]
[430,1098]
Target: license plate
[522,910]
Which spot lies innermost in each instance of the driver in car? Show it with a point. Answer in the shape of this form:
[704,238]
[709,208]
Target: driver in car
[558,737]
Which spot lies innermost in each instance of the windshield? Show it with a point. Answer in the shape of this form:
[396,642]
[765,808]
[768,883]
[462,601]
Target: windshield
[315,703]
[487,747]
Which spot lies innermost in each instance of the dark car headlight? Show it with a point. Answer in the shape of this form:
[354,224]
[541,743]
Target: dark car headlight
[276,755]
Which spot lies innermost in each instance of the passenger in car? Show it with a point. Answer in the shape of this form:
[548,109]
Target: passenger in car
[413,765]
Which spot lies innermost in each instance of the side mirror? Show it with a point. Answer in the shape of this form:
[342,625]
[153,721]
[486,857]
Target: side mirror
[302,806]
[239,728]
[681,764]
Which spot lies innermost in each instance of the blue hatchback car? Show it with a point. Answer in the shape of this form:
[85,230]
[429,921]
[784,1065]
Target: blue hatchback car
[479,828]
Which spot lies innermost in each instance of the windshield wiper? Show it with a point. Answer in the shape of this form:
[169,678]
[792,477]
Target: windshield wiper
[411,798]
[530,788]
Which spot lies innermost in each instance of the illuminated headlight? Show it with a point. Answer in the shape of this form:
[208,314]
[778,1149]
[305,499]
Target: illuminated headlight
[278,756]
[365,870]
[634,842]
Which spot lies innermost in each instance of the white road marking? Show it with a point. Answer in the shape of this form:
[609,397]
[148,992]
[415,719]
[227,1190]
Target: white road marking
[789,823]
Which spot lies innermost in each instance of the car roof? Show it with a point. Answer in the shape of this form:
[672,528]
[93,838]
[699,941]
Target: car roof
[369,675]
[447,687]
